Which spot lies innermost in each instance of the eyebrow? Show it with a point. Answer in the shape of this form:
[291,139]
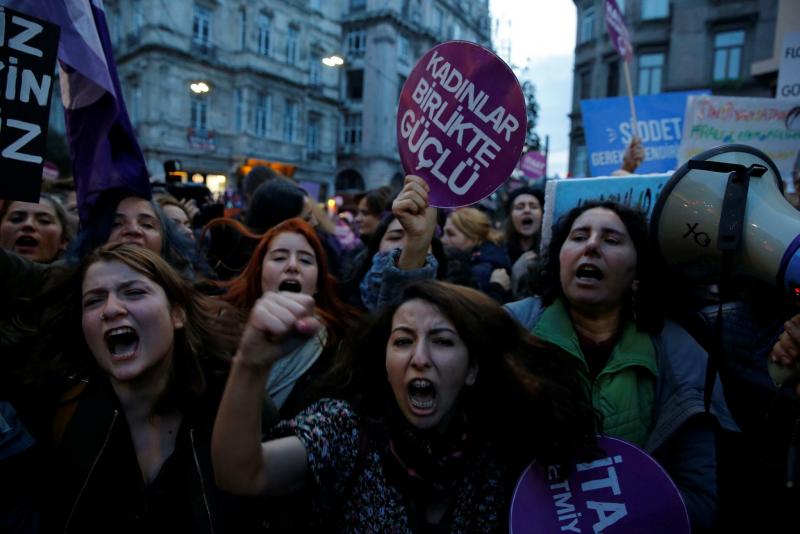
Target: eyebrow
[604,229]
[434,331]
[123,286]
[287,251]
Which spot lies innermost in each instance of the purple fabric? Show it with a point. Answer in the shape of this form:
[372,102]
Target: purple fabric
[103,146]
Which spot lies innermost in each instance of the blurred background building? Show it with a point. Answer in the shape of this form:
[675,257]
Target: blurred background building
[730,47]
[221,85]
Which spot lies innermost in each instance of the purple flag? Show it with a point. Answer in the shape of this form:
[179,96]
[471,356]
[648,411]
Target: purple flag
[617,31]
[103,147]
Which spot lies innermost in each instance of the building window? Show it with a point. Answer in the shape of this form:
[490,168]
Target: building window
[355,84]
[352,131]
[455,31]
[312,134]
[356,43]
[243,29]
[584,84]
[728,55]
[315,71]
[580,162]
[315,5]
[655,9]
[621,6]
[586,32]
[358,5]
[136,104]
[263,114]
[438,20]
[201,25]
[403,48]
[198,113]
[289,121]
[291,46]
[612,81]
[238,109]
[650,69]
[138,16]
[264,23]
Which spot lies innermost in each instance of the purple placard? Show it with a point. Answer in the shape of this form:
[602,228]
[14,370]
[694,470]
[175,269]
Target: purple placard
[461,123]
[625,491]
[533,165]
[617,31]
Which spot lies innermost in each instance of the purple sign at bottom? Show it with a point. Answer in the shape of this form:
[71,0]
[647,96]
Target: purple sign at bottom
[625,491]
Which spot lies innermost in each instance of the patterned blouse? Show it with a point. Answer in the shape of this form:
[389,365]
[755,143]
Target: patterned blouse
[365,501]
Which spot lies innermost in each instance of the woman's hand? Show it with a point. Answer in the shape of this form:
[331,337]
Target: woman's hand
[500,276]
[785,353]
[417,218]
[278,322]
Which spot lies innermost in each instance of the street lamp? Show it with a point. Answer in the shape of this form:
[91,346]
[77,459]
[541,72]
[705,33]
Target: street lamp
[333,61]
[199,88]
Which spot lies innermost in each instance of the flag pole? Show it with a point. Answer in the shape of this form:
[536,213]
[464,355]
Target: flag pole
[634,127]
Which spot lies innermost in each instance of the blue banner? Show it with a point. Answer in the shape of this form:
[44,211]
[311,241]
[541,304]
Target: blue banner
[607,129]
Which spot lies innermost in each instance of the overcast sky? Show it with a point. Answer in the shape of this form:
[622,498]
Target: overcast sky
[541,38]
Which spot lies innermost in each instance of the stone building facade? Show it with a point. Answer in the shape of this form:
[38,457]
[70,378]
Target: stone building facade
[729,47]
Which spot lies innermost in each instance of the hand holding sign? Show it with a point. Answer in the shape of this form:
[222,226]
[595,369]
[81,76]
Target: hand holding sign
[417,218]
[460,123]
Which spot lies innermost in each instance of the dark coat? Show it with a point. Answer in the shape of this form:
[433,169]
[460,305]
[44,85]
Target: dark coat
[97,484]
[486,258]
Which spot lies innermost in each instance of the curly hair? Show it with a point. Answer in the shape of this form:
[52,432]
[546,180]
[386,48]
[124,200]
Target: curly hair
[646,310]
[527,401]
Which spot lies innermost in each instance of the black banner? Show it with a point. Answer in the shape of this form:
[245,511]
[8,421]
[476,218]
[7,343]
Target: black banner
[28,50]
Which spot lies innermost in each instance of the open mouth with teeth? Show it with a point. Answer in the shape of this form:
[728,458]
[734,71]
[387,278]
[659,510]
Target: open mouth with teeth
[122,342]
[26,241]
[421,395]
[292,286]
[587,273]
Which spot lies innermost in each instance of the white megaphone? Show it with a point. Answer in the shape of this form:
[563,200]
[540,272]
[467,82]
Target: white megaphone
[725,208]
[728,202]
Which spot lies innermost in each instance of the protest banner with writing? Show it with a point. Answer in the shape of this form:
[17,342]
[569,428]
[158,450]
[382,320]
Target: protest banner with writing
[533,165]
[637,191]
[768,124]
[624,491]
[607,128]
[617,31]
[789,73]
[28,48]
[460,123]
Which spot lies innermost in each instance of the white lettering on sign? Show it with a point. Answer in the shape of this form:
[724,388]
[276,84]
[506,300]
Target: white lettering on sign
[27,84]
[31,132]
[19,41]
[453,124]
[653,130]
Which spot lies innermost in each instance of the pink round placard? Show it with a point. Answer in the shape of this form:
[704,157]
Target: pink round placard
[461,123]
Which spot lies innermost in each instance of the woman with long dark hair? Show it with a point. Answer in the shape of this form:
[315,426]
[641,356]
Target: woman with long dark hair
[599,288]
[445,400]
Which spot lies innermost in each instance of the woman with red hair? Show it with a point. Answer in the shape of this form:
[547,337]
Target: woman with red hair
[291,258]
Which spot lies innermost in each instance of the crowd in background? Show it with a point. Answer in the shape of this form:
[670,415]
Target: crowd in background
[388,367]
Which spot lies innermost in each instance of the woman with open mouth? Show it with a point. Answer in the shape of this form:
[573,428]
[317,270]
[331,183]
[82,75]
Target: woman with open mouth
[441,407]
[600,302]
[36,231]
[290,258]
[138,358]
[523,233]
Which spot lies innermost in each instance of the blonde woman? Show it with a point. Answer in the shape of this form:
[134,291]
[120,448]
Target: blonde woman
[470,230]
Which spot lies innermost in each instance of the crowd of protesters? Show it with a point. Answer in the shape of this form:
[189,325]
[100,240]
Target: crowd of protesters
[392,367]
